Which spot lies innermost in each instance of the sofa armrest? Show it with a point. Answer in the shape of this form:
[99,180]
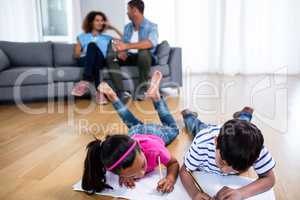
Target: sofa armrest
[175,63]
[4,61]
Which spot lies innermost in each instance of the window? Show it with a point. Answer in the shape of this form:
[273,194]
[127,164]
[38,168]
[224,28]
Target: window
[55,19]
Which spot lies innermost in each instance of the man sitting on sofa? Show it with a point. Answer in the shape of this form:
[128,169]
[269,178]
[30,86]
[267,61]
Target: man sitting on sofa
[136,48]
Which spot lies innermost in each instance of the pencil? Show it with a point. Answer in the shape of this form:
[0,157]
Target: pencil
[195,182]
[160,170]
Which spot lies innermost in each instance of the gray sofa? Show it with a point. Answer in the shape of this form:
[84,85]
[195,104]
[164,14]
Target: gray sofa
[31,71]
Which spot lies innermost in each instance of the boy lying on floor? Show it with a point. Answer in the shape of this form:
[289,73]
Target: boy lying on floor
[227,150]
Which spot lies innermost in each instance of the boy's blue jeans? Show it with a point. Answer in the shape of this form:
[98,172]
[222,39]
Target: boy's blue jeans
[194,125]
[168,131]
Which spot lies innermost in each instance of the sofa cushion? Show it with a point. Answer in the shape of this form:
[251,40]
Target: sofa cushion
[28,54]
[26,76]
[133,71]
[67,74]
[73,73]
[163,52]
[4,61]
[63,54]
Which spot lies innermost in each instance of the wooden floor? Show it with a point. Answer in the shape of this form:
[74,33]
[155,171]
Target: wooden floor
[41,154]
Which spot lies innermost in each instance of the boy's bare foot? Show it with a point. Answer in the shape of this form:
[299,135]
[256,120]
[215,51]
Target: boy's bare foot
[246,109]
[186,112]
[108,91]
[153,90]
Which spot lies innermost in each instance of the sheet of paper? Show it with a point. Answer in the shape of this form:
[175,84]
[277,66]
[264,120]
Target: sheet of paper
[146,187]
[212,183]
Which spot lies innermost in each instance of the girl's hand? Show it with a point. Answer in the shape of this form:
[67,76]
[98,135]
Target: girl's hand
[127,182]
[165,185]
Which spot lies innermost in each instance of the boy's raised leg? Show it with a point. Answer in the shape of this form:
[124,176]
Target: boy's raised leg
[192,123]
[245,114]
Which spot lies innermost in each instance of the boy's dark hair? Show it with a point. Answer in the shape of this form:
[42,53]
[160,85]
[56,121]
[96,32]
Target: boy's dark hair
[101,155]
[240,143]
[138,4]
[87,25]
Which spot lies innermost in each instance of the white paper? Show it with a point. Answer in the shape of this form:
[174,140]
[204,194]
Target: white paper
[212,183]
[145,188]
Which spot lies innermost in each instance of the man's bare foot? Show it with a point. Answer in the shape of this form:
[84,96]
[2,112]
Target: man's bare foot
[153,90]
[108,91]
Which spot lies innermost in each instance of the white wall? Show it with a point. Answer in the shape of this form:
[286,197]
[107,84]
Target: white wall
[114,9]
[163,14]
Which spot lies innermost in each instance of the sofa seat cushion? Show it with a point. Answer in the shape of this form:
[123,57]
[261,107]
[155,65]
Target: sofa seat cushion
[34,75]
[130,72]
[67,74]
[74,73]
[28,54]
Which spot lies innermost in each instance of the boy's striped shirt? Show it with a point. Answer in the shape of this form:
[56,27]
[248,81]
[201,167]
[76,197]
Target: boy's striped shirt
[202,154]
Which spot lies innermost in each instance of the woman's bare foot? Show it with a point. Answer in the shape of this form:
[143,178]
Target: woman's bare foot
[108,91]
[153,90]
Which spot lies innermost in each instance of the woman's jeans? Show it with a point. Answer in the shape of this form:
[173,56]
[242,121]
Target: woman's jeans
[93,62]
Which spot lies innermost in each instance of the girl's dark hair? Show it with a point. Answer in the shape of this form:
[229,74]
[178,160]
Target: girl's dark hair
[240,143]
[87,25]
[101,155]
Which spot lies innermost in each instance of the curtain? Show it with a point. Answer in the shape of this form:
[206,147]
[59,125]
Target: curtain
[76,19]
[232,36]
[18,20]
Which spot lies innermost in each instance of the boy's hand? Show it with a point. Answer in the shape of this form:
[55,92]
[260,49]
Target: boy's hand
[202,196]
[128,182]
[229,194]
[165,185]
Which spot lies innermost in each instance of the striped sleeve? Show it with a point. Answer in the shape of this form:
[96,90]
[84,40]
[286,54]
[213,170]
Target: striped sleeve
[264,163]
[194,158]
[191,161]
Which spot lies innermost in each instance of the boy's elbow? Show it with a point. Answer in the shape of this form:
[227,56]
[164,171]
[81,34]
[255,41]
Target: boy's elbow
[182,171]
[270,176]
[273,179]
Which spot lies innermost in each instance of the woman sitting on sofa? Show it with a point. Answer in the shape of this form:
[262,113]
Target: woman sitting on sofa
[90,50]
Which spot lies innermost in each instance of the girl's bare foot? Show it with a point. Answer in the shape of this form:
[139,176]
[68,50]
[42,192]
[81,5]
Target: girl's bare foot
[153,90]
[108,91]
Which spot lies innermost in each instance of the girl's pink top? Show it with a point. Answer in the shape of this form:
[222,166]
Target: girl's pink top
[153,147]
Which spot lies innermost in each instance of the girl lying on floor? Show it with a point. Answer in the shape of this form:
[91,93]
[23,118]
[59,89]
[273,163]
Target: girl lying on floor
[132,156]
